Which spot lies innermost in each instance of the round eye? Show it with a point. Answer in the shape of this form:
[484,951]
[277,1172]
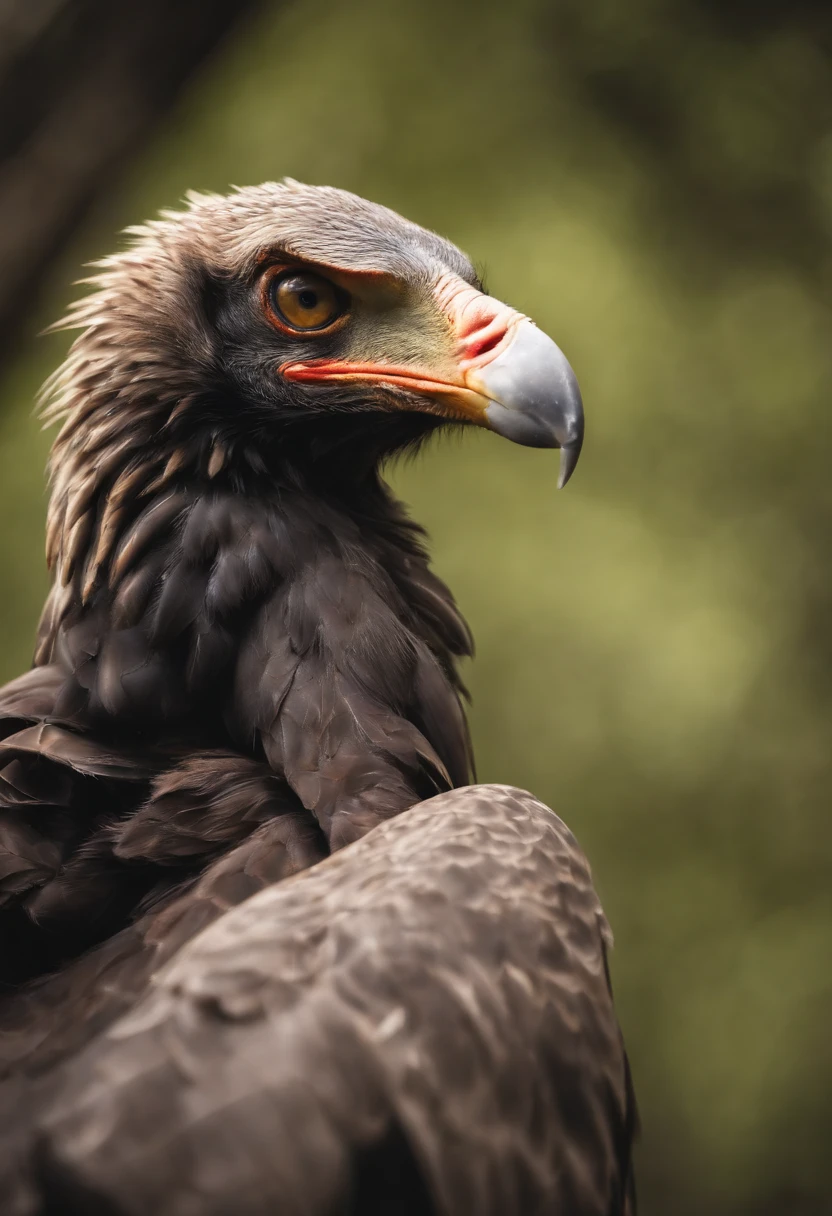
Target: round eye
[305,301]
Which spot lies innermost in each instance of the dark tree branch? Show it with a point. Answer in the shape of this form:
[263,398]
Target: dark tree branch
[82,83]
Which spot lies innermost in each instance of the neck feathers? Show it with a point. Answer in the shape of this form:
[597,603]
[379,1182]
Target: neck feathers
[209,596]
[280,623]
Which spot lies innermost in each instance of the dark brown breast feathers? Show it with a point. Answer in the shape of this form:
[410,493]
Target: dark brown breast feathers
[276,631]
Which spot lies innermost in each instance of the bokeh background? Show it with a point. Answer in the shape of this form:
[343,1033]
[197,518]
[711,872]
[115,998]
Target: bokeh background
[652,182]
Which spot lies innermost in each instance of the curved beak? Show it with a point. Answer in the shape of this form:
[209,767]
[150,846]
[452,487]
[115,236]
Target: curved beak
[489,365]
[532,395]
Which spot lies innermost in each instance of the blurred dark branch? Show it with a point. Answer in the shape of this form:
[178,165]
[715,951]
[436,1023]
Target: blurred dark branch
[82,84]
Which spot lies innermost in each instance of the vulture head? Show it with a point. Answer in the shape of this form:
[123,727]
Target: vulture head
[289,325]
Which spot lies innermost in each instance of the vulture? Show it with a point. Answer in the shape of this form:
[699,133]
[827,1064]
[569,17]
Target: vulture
[266,946]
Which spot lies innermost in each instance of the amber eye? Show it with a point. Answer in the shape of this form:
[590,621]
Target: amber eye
[306,301]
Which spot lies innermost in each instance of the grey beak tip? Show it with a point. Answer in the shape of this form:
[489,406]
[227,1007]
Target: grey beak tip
[569,454]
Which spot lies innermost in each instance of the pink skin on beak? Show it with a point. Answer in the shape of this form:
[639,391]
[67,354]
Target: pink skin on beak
[481,325]
[505,374]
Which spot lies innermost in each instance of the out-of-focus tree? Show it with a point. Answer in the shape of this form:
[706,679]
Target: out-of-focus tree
[82,83]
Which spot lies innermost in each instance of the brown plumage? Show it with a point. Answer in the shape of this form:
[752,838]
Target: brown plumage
[244,664]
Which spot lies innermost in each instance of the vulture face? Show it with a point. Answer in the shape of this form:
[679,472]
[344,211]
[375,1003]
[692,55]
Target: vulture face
[352,308]
[289,303]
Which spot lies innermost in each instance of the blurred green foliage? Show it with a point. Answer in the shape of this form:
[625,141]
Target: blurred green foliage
[652,182]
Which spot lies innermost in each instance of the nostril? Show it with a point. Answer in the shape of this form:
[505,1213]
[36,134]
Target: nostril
[478,322]
[484,341]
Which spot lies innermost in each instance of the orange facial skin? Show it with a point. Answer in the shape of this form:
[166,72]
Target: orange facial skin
[478,329]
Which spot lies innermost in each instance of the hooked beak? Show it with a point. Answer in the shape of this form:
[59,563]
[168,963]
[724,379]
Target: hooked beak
[532,396]
[503,373]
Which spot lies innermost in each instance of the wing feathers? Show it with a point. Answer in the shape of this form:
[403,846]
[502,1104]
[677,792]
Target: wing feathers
[462,1001]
